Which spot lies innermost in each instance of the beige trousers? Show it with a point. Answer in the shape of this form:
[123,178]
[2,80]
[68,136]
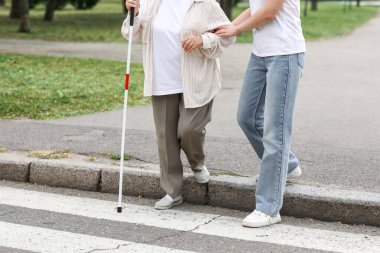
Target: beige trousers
[178,128]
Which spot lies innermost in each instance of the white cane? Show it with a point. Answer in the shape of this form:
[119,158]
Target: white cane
[132,16]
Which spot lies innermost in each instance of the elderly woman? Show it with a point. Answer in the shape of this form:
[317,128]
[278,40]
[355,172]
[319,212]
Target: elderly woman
[182,74]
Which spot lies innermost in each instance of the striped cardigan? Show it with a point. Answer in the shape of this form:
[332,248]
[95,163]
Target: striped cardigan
[201,78]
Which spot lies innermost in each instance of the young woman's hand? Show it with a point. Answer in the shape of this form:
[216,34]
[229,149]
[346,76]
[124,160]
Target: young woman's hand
[227,31]
[192,42]
[133,4]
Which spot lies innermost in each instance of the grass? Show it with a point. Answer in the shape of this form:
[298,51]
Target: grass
[91,158]
[50,154]
[245,37]
[3,150]
[117,157]
[103,22]
[54,87]
[329,21]
[226,173]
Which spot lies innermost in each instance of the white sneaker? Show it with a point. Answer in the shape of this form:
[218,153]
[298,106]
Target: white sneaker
[203,176]
[168,202]
[258,219]
[297,172]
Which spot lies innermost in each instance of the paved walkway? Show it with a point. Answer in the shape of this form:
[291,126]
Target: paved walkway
[337,124]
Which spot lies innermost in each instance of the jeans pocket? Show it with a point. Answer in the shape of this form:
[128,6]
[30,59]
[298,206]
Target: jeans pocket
[301,62]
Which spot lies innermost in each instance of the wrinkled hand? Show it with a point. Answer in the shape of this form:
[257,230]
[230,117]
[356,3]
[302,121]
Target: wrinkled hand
[192,42]
[133,4]
[227,31]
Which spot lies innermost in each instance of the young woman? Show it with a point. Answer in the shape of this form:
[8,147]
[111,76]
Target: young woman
[182,74]
[266,106]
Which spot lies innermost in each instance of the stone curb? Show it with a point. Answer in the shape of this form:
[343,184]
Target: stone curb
[352,207]
[146,183]
[15,170]
[65,174]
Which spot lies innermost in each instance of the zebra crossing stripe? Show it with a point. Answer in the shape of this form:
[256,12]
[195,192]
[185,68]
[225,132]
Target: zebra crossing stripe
[47,240]
[100,209]
[291,235]
[201,223]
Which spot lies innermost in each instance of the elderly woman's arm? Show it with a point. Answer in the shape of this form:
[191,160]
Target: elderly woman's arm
[138,22]
[213,45]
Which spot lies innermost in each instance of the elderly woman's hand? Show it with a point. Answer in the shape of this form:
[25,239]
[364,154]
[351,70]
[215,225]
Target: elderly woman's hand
[133,4]
[192,42]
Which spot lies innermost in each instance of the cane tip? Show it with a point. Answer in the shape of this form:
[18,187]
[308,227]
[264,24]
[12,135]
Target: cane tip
[119,209]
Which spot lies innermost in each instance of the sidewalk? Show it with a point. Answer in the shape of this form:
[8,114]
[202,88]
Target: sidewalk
[337,124]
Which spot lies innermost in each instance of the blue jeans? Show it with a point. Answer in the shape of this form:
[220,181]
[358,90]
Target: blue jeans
[265,114]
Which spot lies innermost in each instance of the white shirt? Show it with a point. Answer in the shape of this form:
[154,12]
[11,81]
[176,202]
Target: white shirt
[281,36]
[167,74]
[201,76]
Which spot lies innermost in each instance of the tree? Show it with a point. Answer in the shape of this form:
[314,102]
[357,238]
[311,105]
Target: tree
[357,3]
[125,10]
[14,12]
[61,4]
[2,2]
[49,11]
[83,4]
[24,16]
[236,2]
[227,6]
[314,5]
[305,8]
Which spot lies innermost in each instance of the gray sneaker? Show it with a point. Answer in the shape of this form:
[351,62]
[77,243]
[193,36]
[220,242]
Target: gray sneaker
[168,202]
[202,176]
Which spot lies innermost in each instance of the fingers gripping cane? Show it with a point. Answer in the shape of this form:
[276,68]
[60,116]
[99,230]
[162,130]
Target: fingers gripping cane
[132,15]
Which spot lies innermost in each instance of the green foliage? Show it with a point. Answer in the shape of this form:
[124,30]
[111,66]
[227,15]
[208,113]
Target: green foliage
[59,4]
[33,3]
[55,87]
[117,156]
[102,24]
[236,2]
[83,4]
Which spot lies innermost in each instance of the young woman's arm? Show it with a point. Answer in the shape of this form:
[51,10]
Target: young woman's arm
[242,17]
[264,15]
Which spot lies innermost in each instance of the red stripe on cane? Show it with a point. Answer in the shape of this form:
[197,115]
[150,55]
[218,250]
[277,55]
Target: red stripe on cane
[126,81]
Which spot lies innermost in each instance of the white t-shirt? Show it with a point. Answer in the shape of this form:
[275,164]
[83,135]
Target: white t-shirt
[167,73]
[281,36]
